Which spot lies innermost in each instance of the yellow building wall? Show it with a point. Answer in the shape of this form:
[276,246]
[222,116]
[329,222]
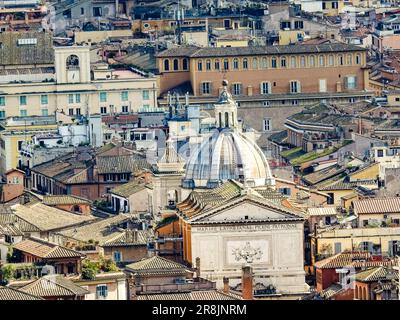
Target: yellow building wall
[289,36]
[370,173]
[58,96]
[9,155]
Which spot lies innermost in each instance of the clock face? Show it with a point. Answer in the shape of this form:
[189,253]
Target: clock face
[73,75]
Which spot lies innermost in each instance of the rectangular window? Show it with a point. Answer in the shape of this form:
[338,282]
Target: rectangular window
[22,100]
[103,110]
[335,5]
[351,82]
[77,98]
[23,113]
[146,94]
[331,198]
[267,124]
[2,101]
[125,109]
[44,99]
[2,114]
[265,88]
[146,107]
[82,11]
[71,111]
[294,87]
[322,85]
[124,96]
[101,291]
[103,96]
[78,111]
[97,11]
[206,88]
[117,256]
[45,112]
[237,89]
[70,98]
[273,63]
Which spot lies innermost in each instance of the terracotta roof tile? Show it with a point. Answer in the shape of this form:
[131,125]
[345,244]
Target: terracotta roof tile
[54,286]
[45,250]
[7,293]
[377,205]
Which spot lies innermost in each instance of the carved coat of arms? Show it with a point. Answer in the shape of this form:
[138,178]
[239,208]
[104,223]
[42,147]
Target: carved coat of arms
[247,253]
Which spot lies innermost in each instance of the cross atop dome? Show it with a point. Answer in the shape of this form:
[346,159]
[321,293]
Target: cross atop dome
[225,96]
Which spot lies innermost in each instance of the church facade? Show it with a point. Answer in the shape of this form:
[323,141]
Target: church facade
[233,225]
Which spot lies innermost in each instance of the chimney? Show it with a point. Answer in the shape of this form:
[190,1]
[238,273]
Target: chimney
[226,285]
[132,288]
[247,283]
[198,267]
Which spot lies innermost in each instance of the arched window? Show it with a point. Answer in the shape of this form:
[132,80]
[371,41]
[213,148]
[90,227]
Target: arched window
[264,63]
[273,62]
[340,60]
[200,65]
[166,65]
[72,62]
[208,64]
[349,59]
[185,64]
[235,64]
[321,61]
[293,62]
[245,64]
[358,59]
[216,64]
[255,63]
[226,64]
[331,60]
[312,61]
[283,62]
[302,61]
[176,64]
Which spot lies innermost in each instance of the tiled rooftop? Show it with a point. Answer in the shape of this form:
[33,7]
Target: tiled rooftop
[195,52]
[46,250]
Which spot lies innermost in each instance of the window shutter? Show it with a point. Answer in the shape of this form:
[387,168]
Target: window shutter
[355,82]
[201,88]
[261,88]
[346,82]
[211,88]
[298,87]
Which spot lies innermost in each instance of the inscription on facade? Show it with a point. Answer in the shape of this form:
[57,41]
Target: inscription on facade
[289,226]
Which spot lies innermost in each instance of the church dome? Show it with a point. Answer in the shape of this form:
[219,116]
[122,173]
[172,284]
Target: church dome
[227,153]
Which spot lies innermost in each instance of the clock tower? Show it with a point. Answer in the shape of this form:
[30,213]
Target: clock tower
[72,64]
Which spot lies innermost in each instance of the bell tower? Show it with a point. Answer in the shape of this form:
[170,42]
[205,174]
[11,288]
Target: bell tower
[72,64]
[226,109]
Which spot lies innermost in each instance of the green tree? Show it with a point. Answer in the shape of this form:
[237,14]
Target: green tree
[7,273]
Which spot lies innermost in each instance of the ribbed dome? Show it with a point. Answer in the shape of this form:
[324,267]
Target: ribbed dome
[227,154]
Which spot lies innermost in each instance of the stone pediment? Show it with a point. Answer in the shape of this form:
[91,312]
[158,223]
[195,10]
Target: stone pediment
[247,209]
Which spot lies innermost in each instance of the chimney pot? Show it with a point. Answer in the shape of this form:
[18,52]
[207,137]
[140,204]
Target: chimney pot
[226,284]
[247,283]
[198,267]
